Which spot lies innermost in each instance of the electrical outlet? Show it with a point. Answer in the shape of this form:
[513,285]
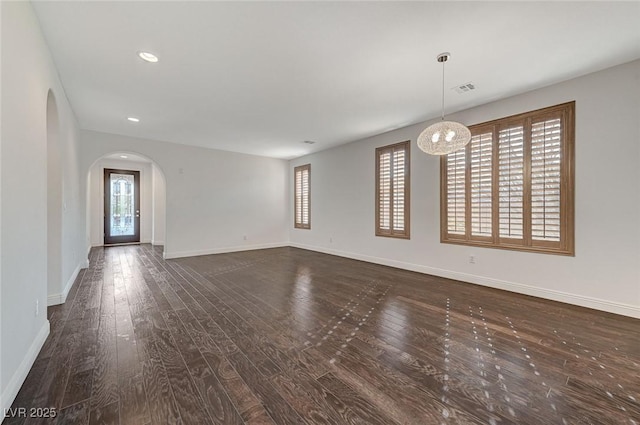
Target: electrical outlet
[472,259]
[245,237]
[37,307]
[330,240]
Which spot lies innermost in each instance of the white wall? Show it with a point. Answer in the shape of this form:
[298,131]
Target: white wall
[159,206]
[96,200]
[28,74]
[213,198]
[2,387]
[604,274]
[54,198]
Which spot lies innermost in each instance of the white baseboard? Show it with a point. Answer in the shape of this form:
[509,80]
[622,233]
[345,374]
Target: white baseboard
[520,288]
[180,254]
[157,242]
[11,391]
[56,299]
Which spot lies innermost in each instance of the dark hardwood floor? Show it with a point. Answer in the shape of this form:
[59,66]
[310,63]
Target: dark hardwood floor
[287,336]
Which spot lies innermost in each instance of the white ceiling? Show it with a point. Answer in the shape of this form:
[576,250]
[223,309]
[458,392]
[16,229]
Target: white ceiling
[262,77]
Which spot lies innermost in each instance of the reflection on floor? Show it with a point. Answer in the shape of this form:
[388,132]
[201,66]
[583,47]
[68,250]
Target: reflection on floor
[291,336]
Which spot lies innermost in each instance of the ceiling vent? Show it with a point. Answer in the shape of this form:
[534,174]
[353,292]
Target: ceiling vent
[464,88]
[309,142]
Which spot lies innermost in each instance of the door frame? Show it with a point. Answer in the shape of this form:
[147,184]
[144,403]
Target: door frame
[115,240]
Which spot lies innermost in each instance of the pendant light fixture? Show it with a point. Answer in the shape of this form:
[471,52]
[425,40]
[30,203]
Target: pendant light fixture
[443,137]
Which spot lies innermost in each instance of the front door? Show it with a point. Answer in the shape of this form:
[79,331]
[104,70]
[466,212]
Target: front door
[121,206]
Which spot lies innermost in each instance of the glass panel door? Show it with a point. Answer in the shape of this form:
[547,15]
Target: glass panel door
[121,206]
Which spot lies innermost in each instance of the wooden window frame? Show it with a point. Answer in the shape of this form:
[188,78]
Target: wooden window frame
[566,245]
[297,221]
[392,233]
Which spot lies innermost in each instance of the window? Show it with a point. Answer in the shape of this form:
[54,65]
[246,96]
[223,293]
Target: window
[302,197]
[392,190]
[512,185]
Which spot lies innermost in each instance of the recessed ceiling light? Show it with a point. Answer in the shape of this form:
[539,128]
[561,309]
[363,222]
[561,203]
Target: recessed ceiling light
[133,119]
[149,57]
[124,156]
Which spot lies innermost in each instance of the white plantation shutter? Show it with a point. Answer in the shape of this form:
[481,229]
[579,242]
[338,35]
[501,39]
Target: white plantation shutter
[511,182]
[545,179]
[392,190]
[384,191]
[481,184]
[302,199]
[512,186]
[305,197]
[456,181]
[398,190]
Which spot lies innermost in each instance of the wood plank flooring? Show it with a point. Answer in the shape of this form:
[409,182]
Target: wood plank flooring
[287,336]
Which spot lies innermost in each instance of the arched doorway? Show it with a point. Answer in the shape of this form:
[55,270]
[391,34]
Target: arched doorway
[152,196]
[54,199]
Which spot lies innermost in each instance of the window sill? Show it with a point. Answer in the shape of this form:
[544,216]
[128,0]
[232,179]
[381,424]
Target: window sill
[539,250]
